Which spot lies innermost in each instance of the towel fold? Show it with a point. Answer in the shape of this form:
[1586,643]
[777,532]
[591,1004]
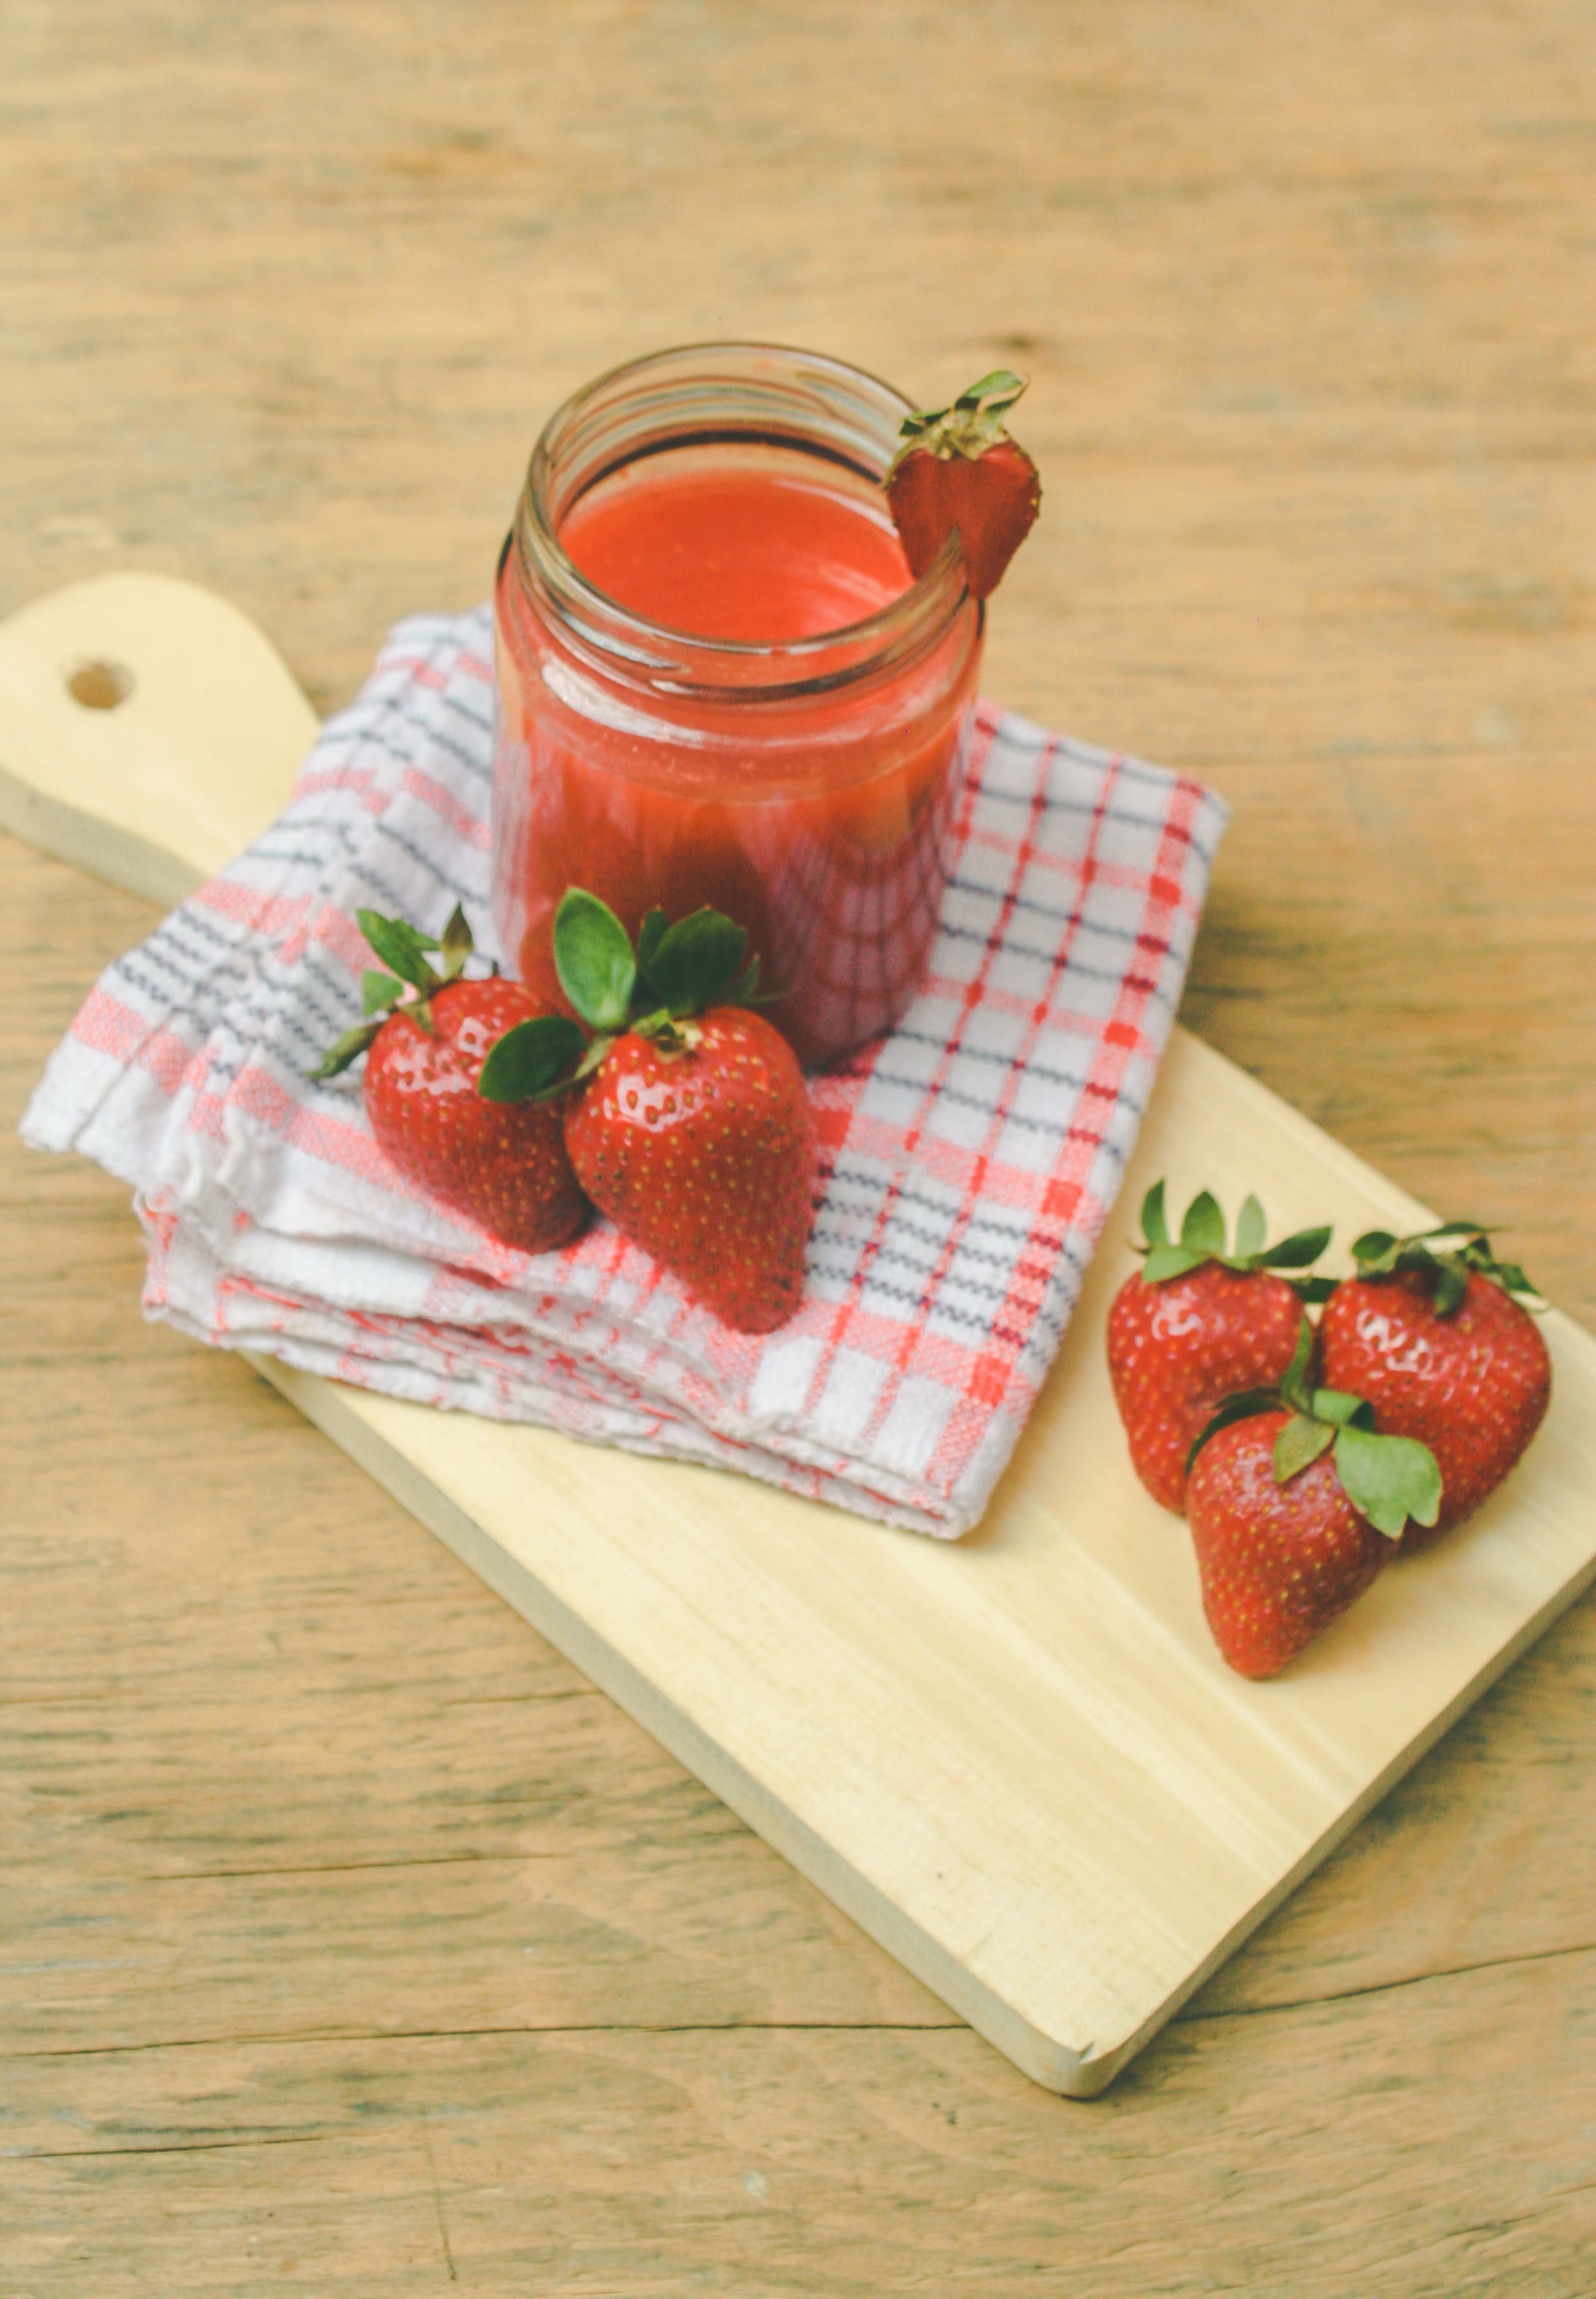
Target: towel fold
[968,1160]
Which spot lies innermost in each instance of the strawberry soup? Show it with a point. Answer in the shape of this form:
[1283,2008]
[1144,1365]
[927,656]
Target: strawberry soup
[719,684]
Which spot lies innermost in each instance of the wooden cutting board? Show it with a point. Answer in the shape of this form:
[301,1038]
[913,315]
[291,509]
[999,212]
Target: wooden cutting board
[1017,1761]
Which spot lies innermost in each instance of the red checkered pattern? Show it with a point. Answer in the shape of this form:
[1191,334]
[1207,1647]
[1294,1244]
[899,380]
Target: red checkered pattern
[968,1160]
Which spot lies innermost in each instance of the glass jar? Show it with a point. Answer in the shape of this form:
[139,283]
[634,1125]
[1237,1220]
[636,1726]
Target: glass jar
[805,785]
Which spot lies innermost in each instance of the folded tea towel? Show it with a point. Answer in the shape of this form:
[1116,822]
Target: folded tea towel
[968,1161]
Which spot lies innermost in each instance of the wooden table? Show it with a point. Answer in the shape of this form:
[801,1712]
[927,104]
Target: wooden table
[352,1944]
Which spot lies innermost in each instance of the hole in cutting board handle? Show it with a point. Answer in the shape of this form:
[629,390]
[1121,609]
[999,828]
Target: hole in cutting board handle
[100,685]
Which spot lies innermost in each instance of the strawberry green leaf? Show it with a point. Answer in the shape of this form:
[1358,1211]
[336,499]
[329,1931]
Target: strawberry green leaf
[403,947]
[1245,1405]
[1446,1258]
[531,1058]
[349,1049]
[995,391]
[1155,1227]
[1299,1444]
[457,944]
[1335,1405]
[1298,1251]
[1167,1261]
[593,960]
[1250,1229]
[1388,1479]
[1513,1281]
[695,961]
[1374,1245]
[1452,1237]
[379,991]
[1203,1228]
[969,426]
[746,991]
[1452,1284]
[650,934]
[1293,1381]
[1312,1290]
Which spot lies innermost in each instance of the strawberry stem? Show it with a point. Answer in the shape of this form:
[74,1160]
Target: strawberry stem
[1446,1257]
[676,972]
[972,424]
[408,987]
[1202,1238]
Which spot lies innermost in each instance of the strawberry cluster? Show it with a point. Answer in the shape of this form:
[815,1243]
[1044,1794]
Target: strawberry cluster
[663,1098]
[1303,1458]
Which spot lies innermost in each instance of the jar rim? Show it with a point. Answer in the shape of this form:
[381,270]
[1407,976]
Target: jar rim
[687,659]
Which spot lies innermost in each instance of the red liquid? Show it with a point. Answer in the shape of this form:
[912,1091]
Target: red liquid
[818,820]
[734,553]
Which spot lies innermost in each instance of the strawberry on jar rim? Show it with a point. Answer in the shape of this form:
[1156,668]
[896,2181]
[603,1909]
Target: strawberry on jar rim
[1295,1504]
[425,1036]
[958,470]
[1436,1333]
[1196,1323]
[686,1119]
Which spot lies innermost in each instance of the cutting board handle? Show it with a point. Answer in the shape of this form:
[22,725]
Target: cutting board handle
[118,698]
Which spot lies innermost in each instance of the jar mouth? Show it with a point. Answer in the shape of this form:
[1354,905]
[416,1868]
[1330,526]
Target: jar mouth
[734,395]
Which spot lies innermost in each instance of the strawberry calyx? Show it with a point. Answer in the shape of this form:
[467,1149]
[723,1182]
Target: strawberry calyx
[974,422]
[1447,1257]
[1203,1238]
[410,986]
[1387,1479]
[677,972]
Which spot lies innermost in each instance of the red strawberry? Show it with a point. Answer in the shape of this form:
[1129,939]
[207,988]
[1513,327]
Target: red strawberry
[1278,1561]
[688,1125]
[1431,1331]
[1196,1325]
[959,469]
[506,1169]
[1295,1504]
[698,1143]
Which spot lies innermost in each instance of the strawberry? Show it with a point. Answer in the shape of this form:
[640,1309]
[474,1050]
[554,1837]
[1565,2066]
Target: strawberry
[425,1039]
[1295,1504]
[1195,1324]
[686,1119]
[958,470]
[1433,1331]
[698,1145]
[1278,1561]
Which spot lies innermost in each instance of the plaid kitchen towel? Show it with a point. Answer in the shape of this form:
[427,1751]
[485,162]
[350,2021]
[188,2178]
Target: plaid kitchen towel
[968,1161]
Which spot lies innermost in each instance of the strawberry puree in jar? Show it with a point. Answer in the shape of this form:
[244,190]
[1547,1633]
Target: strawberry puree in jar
[718,682]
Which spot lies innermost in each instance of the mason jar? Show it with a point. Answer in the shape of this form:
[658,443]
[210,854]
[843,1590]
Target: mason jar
[803,780]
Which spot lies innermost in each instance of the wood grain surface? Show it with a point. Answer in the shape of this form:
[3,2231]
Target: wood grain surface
[353,1945]
[1017,1760]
